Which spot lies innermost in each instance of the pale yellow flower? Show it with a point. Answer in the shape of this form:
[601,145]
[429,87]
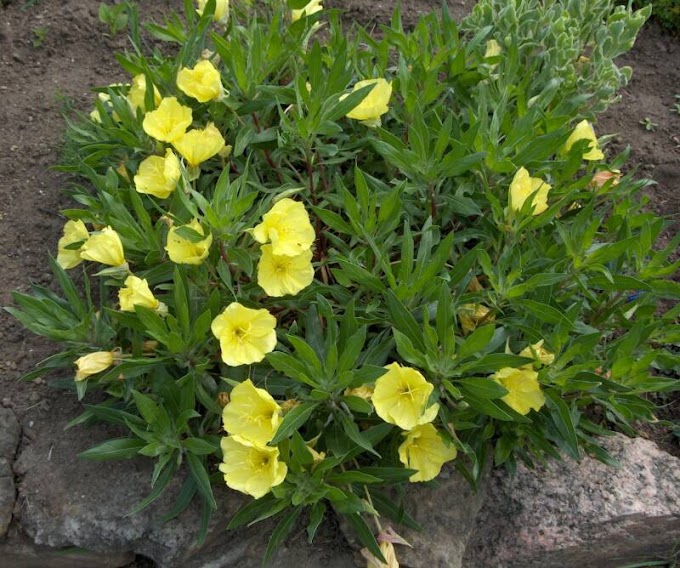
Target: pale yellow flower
[585,131]
[311,8]
[93,363]
[538,352]
[245,335]
[221,15]
[472,315]
[137,293]
[374,105]
[523,186]
[202,82]
[279,275]
[74,232]
[158,175]
[185,251]
[401,395]
[493,48]
[249,468]
[169,121]
[364,391]
[105,247]
[288,228]
[137,94]
[200,144]
[524,392]
[252,413]
[426,451]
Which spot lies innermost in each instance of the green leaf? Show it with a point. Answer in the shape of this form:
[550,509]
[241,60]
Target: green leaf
[146,406]
[293,419]
[199,446]
[202,479]
[352,476]
[365,535]
[352,430]
[403,321]
[476,341]
[562,418]
[316,515]
[281,531]
[388,475]
[482,388]
[116,449]
[252,510]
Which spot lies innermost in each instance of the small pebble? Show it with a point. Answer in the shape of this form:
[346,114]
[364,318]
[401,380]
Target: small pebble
[35,397]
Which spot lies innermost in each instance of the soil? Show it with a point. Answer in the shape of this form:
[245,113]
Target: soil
[53,52]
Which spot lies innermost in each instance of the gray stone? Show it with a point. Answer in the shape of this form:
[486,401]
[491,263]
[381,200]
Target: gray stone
[10,432]
[588,515]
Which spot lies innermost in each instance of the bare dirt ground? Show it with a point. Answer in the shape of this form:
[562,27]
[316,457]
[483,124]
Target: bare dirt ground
[52,52]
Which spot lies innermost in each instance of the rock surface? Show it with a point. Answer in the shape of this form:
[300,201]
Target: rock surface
[10,432]
[588,515]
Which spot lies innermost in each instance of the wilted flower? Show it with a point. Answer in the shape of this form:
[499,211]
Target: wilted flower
[311,8]
[202,82]
[93,363]
[169,121]
[250,468]
[603,176]
[221,15]
[199,144]
[524,392]
[364,391]
[585,131]
[374,105]
[251,414]
[425,451]
[245,335]
[279,275]
[137,293]
[104,247]
[401,395]
[186,251]
[288,228]
[471,315]
[74,232]
[387,550]
[523,186]
[158,175]
[137,93]
[538,352]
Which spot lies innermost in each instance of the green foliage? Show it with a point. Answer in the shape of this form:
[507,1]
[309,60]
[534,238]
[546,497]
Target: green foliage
[419,257]
[666,11]
[115,16]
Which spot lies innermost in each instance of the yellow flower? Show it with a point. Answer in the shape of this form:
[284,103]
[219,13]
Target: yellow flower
[538,352]
[74,232]
[492,49]
[221,15]
[374,105]
[249,468]
[245,335]
[425,451]
[311,8]
[169,121]
[104,247]
[137,94]
[185,251]
[400,397]
[524,392]
[288,228]
[203,82]
[198,145]
[158,175]
[93,363]
[279,275]
[137,293]
[585,131]
[252,414]
[364,391]
[471,315]
[388,552]
[522,186]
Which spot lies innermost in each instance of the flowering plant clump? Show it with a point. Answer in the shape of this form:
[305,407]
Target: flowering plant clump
[329,264]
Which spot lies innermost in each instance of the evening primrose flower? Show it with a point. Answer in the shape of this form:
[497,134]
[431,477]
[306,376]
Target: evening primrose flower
[426,451]
[158,175]
[202,82]
[137,293]
[199,144]
[137,94]
[471,315]
[185,251]
[524,392]
[93,363]
[311,8]
[250,468]
[104,247]
[245,335]
[538,352]
[602,177]
[288,228]
[374,105]
[493,49]
[364,391]
[279,275]
[523,186]
[74,232]
[401,395]
[169,121]
[585,131]
[221,15]
[252,413]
